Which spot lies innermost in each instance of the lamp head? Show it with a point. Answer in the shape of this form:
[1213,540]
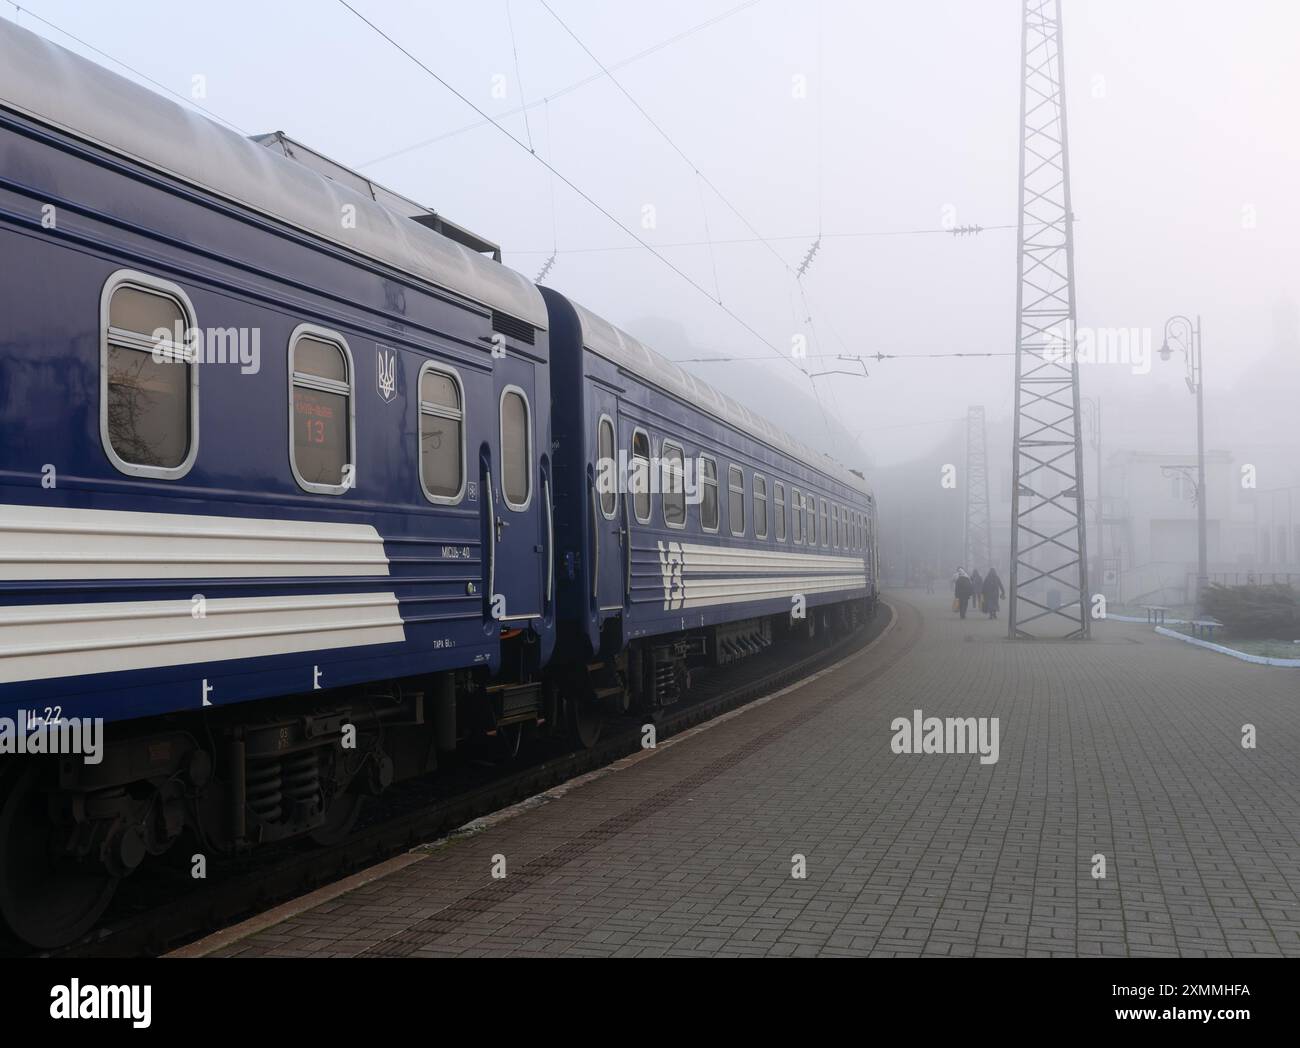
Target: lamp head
[1165,351]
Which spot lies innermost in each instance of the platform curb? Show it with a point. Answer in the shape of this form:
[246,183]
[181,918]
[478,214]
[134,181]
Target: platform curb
[1259,660]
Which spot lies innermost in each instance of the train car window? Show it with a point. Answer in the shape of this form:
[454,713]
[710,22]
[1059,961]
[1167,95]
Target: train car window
[760,507]
[149,380]
[708,493]
[516,449]
[837,536]
[322,440]
[442,435]
[825,531]
[606,466]
[796,514]
[778,499]
[736,500]
[810,525]
[674,486]
[640,478]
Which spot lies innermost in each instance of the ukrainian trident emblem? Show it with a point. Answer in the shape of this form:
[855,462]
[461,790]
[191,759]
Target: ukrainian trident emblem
[386,373]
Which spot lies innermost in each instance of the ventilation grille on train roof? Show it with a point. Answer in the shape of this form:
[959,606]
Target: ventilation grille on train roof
[519,330]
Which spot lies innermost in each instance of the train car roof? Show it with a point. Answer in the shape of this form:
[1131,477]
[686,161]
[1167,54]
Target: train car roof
[50,84]
[618,347]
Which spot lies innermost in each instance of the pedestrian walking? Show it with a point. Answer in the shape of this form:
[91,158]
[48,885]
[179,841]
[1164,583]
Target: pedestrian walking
[993,592]
[976,590]
[961,591]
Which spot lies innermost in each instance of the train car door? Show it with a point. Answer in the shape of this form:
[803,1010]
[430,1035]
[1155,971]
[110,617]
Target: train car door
[515,502]
[607,506]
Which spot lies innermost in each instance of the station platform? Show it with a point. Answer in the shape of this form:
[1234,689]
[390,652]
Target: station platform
[1127,747]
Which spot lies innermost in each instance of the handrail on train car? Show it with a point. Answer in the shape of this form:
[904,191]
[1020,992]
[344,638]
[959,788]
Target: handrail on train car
[595,538]
[492,541]
[550,541]
[627,552]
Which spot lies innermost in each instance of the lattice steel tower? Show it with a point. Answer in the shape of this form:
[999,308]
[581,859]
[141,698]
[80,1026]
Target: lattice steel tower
[1049,560]
[978,554]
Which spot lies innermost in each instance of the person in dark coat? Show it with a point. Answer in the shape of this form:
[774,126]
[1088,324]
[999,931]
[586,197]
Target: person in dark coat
[993,592]
[976,589]
[962,590]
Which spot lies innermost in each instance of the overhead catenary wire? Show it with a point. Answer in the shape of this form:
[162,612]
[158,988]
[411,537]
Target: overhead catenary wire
[705,180]
[188,100]
[576,85]
[862,234]
[853,356]
[514,48]
[571,184]
[662,133]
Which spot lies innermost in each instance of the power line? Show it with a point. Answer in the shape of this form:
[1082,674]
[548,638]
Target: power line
[757,240]
[572,185]
[663,134]
[189,101]
[701,178]
[514,47]
[645,53]
[851,356]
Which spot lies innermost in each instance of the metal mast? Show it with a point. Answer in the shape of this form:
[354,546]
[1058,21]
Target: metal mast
[1049,562]
[977,553]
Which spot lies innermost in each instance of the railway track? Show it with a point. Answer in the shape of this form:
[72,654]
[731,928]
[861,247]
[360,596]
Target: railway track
[167,908]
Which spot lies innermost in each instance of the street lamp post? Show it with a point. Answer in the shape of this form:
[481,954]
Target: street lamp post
[1186,338]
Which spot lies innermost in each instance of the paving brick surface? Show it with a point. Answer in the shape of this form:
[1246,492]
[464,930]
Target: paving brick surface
[1127,747]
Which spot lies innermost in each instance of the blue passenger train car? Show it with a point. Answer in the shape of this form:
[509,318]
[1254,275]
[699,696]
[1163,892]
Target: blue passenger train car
[689,527]
[260,437]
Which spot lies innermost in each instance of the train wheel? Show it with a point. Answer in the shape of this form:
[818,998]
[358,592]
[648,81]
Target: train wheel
[45,901]
[509,741]
[340,819]
[585,717]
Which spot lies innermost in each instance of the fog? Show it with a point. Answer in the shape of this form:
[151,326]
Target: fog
[878,125]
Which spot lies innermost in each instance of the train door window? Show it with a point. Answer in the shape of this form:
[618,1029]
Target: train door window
[736,500]
[674,485]
[760,507]
[442,435]
[708,493]
[825,530]
[516,449]
[322,432]
[640,479]
[606,467]
[796,514]
[149,379]
[778,498]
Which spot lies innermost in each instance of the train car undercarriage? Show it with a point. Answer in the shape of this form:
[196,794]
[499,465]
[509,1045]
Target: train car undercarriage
[227,780]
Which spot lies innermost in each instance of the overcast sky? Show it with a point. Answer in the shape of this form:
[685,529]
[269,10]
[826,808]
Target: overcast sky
[1184,151]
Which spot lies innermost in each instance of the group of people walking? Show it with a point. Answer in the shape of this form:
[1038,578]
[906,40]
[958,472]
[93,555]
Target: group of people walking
[984,592]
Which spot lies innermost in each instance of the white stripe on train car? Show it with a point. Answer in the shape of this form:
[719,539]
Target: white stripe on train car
[56,543]
[44,641]
[749,574]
